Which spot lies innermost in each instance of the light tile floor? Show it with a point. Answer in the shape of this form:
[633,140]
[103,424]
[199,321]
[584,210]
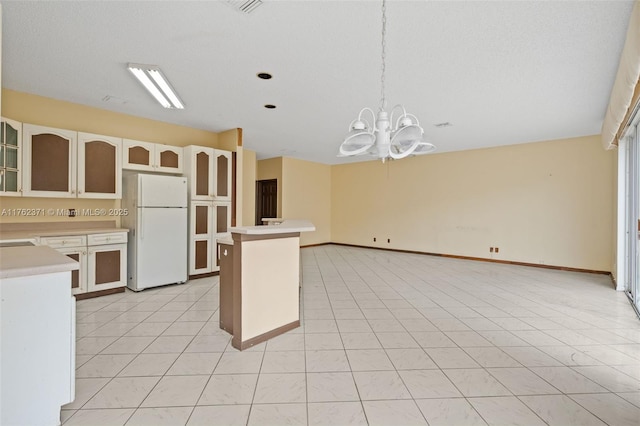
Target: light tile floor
[387,339]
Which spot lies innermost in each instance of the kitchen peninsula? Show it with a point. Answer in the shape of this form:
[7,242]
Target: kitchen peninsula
[37,324]
[260,281]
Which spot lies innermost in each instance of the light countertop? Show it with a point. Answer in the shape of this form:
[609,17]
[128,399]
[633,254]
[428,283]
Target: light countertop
[286,226]
[33,260]
[24,235]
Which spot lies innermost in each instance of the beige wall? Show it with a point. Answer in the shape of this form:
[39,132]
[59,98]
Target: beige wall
[544,203]
[271,169]
[306,194]
[248,187]
[34,109]
[229,139]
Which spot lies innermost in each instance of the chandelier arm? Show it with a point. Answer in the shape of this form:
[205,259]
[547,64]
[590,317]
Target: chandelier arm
[404,114]
[373,115]
[414,117]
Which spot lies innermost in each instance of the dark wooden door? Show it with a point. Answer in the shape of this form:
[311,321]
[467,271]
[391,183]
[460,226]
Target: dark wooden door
[266,199]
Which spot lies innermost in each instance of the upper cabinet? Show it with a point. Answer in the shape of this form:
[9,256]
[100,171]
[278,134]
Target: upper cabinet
[49,161]
[10,157]
[63,163]
[99,166]
[151,157]
[209,173]
[199,168]
[222,166]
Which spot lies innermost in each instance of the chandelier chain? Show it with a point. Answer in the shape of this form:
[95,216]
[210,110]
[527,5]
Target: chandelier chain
[383,101]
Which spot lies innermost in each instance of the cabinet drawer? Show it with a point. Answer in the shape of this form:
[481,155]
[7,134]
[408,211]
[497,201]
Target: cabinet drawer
[65,241]
[109,238]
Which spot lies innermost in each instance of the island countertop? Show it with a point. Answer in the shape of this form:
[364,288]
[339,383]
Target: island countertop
[287,226]
[23,261]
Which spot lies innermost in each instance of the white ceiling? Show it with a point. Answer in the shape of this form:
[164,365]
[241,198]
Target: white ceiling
[502,72]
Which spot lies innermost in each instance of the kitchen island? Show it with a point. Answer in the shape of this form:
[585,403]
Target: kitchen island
[37,335]
[260,281]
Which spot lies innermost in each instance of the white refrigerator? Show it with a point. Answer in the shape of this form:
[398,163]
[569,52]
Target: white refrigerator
[157,220]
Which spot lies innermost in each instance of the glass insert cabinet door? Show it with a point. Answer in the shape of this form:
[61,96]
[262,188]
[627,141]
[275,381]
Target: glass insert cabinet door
[10,157]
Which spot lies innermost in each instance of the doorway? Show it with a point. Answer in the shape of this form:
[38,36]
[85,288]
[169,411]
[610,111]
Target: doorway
[266,199]
[630,167]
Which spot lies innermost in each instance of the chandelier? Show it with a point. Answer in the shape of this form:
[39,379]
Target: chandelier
[387,135]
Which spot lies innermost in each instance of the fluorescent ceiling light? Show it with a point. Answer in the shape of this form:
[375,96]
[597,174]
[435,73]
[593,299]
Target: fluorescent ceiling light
[152,79]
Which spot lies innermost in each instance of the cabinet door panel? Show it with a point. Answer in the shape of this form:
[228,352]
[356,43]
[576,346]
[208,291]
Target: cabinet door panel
[48,161]
[79,277]
[139,155]
[100,167]
[222,175]
[202,219]
[202,254]
[107,267]
[222,180]
[202,174]
[10,157]
[223,217]
[50,155]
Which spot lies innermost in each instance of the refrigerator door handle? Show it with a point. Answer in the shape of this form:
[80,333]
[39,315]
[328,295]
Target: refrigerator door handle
[140,215]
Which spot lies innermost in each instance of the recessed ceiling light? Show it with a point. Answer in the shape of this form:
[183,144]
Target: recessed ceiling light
[264,75]
[269,106]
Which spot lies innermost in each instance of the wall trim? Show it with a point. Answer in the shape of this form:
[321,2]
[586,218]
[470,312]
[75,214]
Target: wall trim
[98,293]
[481,259]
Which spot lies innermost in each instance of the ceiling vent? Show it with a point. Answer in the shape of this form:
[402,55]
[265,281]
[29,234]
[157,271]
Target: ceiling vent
[245,6]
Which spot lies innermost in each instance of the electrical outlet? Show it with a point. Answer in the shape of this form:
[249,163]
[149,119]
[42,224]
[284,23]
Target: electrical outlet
[490,249]
[374,239]
[497,249]
[388,240]
[72,212]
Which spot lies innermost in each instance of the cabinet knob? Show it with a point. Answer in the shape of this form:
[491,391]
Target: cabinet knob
[225,252]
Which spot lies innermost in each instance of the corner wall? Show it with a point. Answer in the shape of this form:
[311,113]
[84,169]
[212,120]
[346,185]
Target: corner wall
[28,108]
[306,194]
[545,203]
[249,168]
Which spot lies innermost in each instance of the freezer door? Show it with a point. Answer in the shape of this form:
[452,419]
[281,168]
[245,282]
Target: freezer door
[161,239]
[162,191]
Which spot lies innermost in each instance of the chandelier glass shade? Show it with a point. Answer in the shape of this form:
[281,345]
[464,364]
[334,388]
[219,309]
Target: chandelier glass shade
[385,135]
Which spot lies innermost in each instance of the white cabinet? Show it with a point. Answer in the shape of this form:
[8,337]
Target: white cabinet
[79,277]
[199,171]
[10,157]
[209,175]
[37,335]
[202,237]
[102,259]
[49,162]
[99,166]
[106,261]
[208,222]
[62,163]
[152,157]
[222,172]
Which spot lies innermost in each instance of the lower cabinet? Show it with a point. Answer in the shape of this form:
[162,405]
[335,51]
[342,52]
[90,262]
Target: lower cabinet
[102,260]
[79,277]
[208,221]
[106,267]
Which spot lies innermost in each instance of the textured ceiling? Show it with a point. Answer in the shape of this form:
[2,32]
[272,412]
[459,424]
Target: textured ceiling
[501,72]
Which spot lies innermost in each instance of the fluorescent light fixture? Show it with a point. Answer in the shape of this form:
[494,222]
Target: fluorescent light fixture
[152,79]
